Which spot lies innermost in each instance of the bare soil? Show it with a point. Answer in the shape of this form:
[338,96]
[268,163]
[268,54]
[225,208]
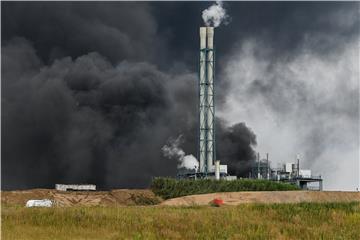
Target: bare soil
[235,198]
[131,197]
[123,197]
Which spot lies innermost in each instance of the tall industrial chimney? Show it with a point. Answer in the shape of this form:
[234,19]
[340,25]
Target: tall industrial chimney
[206,100]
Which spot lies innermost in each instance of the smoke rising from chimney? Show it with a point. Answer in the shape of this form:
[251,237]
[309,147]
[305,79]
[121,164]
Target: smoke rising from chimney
[215,15]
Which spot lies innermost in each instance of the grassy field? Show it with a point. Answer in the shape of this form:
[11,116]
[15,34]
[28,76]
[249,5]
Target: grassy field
[252,221]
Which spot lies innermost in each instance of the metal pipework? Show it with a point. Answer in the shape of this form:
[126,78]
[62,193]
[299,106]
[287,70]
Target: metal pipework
[202,80]
[258,171]
[217,170]
[267,167]
[210,96]
[206,100]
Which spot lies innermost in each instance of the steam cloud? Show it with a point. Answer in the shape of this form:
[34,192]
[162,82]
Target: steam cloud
[215,15]
[172,150]
[311,102]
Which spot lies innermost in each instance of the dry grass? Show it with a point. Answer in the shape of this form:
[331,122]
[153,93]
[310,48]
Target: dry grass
[247,221]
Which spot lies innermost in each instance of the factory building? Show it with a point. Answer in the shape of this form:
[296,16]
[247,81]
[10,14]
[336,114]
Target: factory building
[75,187]
[288,172]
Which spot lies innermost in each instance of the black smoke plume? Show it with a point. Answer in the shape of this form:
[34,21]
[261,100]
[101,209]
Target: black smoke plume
[91,91]
[235,148]
[86,120]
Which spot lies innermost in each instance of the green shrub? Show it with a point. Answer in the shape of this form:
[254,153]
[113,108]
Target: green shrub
[171,188]
[145,200]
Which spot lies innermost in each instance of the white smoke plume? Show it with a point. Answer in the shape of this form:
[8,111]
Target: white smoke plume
[172,150]
[215,15]
[307,105]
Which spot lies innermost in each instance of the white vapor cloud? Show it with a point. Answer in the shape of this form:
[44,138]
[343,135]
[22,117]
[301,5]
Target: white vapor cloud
[172,150]
[307,104]
[215,15]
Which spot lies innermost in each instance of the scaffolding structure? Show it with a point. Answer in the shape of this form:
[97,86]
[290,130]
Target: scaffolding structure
[209,165]
[207,153]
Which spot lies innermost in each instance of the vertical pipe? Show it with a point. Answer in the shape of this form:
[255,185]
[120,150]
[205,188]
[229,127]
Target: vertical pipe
[258,171]
[267,166]
[217,170]
[202,79]
[209,100]
[298,165]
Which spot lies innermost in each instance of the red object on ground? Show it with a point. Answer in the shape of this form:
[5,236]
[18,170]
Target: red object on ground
[217,202]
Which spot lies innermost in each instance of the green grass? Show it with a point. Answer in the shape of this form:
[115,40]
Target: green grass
[248,221]
[171,188]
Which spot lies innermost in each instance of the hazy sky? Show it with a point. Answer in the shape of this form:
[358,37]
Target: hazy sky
[92,91]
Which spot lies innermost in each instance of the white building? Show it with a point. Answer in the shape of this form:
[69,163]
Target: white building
[75,187]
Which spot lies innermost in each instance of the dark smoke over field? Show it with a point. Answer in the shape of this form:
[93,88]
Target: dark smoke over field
[87,120]
[92,91]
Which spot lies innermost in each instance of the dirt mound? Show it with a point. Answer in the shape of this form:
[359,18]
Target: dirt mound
[235,198]
[87,198]
[21,197]
[128,197]
[109,198]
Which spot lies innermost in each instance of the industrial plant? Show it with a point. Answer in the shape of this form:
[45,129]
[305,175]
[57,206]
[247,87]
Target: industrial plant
[288,172]
[209,165]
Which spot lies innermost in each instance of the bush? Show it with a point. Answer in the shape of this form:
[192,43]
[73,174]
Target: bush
[144,200]
[171,188]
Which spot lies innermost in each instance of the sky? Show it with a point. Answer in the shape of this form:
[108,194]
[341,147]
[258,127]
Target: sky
[92,91]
